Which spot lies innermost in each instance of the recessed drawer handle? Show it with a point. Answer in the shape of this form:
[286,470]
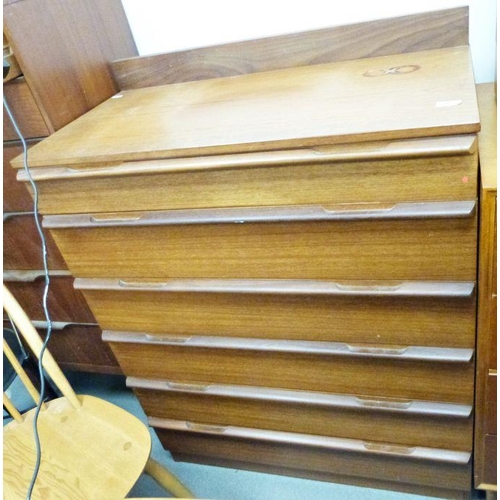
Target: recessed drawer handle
[368,288]
[381,403]
[166,338]
[389,448]
[213,429]
[187,387]
[140,284]
[393,351]
[96,219]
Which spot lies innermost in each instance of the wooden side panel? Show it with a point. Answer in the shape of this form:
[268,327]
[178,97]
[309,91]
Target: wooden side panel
[490,460]
[25,111]
[445,322]
[412,33]
[491,405]
[65,57]
[485,443]
[383,426]
[434,381]
[425,249]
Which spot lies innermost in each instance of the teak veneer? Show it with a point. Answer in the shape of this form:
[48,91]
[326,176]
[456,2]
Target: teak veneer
[285,262]
[434,94]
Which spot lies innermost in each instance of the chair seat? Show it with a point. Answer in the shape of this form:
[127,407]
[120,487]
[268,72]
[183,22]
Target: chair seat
[97,451]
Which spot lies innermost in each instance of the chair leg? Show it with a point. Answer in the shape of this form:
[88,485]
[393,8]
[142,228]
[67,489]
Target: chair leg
[166,479]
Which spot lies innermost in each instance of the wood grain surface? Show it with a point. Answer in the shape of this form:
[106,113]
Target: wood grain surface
[485,461]
[80,347]
[425,249]
[433,381]
[367,425]
[16,197]
[381,172]
[98,428]
[417,32]
[64,302]
[25,110]
[23,247]
[354,468]
[431,321]
[486,95]
[63,48]
[432,94]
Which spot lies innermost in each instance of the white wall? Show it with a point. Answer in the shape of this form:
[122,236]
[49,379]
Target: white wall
[171,25]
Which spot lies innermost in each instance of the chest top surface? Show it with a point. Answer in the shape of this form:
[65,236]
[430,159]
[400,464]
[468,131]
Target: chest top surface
[419,94]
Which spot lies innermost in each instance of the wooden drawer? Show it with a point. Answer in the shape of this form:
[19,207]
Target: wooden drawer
[433,169]
[434,374]
[16,197]
[438,314]
[64,302]
[330,456]
[25,111]
[80,347]
[22,248]
[429,241]
[406,422]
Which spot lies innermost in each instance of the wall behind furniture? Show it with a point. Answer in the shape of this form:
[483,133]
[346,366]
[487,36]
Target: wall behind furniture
[168,26]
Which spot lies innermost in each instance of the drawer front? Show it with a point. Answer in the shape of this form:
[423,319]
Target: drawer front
[294,368]
[373,172]
[367,419]
[240,451]
[64,302]
[16,197]
[80,347]
[25,111]
[378,312]
[22,246]
[400,249]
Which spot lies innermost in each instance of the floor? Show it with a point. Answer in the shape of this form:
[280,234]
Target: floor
[215,482]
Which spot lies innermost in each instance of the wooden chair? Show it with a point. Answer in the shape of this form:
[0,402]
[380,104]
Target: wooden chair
[91,449]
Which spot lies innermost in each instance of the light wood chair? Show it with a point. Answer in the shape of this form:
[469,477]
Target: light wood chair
[91,449]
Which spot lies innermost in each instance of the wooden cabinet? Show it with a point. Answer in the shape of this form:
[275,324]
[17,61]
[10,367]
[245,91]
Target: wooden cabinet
[63,51]
[285,294]
[485,476]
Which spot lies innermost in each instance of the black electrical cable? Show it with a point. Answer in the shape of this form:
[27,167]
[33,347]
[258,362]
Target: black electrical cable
[45,294]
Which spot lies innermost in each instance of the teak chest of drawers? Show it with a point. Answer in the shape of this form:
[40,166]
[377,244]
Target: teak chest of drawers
[289,284]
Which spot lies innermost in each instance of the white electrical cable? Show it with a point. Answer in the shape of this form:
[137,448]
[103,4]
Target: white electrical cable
[45,294]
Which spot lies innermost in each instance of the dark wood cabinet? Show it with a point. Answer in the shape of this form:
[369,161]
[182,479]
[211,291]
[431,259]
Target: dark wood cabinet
[62,50]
